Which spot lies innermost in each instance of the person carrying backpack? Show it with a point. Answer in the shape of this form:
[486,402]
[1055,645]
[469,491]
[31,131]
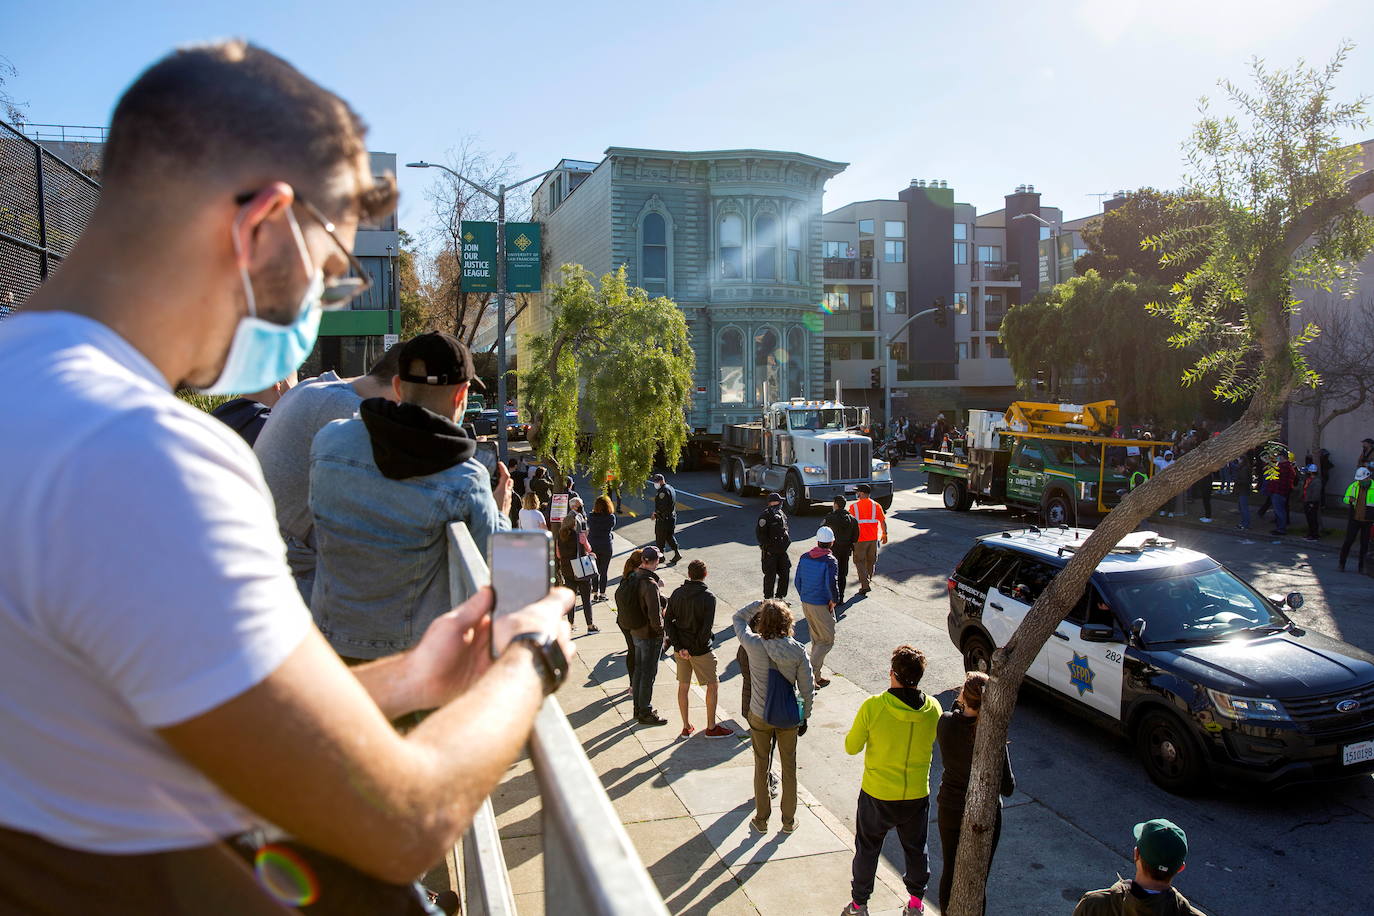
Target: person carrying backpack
[778,667]
[627,609]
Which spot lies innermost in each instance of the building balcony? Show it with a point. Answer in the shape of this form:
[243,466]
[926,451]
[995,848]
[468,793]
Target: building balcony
[859,320]
[996,272]
[850,269]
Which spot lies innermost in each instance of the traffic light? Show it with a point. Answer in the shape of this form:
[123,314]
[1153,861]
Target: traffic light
[940,312]
[875,377]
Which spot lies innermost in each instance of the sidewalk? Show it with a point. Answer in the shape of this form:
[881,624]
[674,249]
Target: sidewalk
[686,802]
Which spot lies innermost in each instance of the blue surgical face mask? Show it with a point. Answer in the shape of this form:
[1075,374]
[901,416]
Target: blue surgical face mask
[264,352]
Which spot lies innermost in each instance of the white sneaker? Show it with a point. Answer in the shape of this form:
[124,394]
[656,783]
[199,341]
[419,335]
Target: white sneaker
[1205,520]
[1161,513]
[1171,515]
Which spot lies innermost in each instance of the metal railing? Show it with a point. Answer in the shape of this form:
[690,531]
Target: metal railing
[65,133]
[1000,271]
[848,269]
[590,866]
[45,203]
[849,320]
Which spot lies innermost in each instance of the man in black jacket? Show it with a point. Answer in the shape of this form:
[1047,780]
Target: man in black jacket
[774,539]
[647,630]
[665,517]
[846,529]
[689,623]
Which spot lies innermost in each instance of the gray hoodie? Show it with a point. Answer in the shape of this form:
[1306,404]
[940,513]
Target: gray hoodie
[785,654]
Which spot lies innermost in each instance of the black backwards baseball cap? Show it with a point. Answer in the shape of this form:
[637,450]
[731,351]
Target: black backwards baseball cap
[445,359]
[1163,846]
[650,554]
[864,488]
[773,498]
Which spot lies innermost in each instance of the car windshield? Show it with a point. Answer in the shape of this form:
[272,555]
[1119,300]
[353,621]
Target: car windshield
[1198,607]
[815,420]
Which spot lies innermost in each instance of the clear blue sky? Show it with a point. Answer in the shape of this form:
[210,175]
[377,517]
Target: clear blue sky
[1075,97]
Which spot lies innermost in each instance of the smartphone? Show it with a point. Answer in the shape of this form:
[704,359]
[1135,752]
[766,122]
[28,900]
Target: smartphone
[486,456]
[521,574]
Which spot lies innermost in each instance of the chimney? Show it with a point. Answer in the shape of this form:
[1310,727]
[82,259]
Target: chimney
[915,183]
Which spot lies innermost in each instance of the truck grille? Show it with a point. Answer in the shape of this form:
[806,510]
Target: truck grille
[1319,713]
[852,460]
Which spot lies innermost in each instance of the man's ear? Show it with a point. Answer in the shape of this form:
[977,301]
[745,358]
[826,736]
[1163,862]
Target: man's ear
[266,204]
[460,397]
[396,388]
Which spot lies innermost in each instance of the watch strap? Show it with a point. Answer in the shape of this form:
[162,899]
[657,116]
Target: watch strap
[548,657]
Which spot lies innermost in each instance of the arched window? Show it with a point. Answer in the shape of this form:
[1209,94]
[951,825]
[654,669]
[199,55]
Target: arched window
[730,367]
[796,363]
[731,247]
[767,366]
[766,248]
[794,250]
[654,250]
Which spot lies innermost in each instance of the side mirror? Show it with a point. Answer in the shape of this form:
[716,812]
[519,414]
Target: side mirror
[1294,600]
[1138,630]
[1097,632]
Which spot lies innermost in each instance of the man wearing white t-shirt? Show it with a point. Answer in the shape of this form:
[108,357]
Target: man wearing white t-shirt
[166,691]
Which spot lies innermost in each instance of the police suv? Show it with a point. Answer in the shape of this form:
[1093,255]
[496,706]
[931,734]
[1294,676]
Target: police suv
[1207,677]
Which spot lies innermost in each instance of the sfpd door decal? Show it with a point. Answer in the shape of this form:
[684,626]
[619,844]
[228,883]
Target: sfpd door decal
[1081,674]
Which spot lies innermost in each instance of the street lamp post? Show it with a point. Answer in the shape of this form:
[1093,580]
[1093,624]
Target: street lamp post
[887,362]
[500,197]
[1054,239]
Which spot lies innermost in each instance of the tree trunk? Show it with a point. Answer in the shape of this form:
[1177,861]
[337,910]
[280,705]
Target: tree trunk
[1010,662]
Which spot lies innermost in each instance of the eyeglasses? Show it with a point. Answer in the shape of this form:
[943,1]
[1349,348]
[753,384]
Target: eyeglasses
[342,290]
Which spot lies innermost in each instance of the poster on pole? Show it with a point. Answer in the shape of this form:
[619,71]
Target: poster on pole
[522,258]
[479,256]
[559,507]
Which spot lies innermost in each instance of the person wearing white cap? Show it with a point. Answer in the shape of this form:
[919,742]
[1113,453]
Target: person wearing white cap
[1359,496]
[817,581]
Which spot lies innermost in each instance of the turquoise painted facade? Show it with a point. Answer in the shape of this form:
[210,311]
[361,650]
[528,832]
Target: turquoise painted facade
[734,237]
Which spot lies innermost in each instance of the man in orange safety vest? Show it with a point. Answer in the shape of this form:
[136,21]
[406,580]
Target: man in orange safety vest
[872,530]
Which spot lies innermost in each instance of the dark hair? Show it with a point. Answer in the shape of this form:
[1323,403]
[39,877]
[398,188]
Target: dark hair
[387,365]
[633,562]
[839,502]
[775,620]
[602,506]
[908,665]
[229,108]
[696,570]
[975,682]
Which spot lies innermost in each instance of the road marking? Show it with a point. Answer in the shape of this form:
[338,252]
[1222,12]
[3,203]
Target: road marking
[708,499]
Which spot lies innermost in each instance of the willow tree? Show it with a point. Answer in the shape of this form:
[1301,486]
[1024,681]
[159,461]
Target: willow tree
[609,383]
[1279,195]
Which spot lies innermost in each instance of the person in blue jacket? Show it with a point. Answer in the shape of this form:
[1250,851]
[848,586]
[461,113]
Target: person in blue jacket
[817,581]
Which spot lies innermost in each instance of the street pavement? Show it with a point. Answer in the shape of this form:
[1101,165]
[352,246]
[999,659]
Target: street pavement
[1079,787]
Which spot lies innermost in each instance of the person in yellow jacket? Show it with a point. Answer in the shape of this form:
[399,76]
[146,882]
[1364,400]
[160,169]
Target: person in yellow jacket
[896,732]
[872,531]
[1359,496]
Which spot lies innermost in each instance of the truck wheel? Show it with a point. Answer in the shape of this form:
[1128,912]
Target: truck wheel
[1169,754]
[977,654]
[740,486]
[727,475]
[885,501]
[1057,511]
[955,495]
[793,497]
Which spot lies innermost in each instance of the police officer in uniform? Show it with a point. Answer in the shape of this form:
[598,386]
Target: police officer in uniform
[773,539]
[665,517]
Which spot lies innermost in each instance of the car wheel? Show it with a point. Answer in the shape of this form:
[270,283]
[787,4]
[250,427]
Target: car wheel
[793,497]
[953,496]
[1057,511]
[977,654]
[727,476]
[1171,757]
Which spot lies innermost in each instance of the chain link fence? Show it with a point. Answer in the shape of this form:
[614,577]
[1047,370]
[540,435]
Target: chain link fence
[44,204]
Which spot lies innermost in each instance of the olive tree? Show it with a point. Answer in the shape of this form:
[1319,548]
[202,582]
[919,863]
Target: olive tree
[1278,193]
[609,383]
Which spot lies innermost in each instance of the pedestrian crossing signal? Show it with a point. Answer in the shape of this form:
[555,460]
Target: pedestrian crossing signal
[940,312]
[875,377]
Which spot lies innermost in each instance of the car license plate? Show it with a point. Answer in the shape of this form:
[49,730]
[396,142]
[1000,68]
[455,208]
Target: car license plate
[1357,753]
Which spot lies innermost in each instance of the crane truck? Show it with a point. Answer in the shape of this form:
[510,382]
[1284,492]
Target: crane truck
[1059,460]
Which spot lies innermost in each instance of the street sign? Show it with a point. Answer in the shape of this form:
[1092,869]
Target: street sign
[390,340]
[522,257]
[479,256]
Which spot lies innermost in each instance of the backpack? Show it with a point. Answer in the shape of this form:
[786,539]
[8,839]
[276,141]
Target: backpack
[781,708]
[629,612]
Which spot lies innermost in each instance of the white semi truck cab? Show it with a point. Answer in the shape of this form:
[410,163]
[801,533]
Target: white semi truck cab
[807,451]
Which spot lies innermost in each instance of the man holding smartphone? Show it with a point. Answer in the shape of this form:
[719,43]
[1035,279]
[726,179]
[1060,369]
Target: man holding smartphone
[384,488]
[182,659]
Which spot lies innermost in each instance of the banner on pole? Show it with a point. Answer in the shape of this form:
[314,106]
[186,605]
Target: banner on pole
[479,256]
[522,258]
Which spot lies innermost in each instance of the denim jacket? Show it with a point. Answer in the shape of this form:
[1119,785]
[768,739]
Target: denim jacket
[382,573]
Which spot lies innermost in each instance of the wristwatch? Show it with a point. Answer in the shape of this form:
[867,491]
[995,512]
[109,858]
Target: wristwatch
[549,659]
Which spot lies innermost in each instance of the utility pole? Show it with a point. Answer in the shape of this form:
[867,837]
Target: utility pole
[499,196]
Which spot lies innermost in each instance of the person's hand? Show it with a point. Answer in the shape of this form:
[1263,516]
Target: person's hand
[801,729]
[456,648]
[503,488]
[684,654]
[884,540]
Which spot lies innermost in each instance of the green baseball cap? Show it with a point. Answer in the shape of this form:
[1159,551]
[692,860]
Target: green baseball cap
[1163,845]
